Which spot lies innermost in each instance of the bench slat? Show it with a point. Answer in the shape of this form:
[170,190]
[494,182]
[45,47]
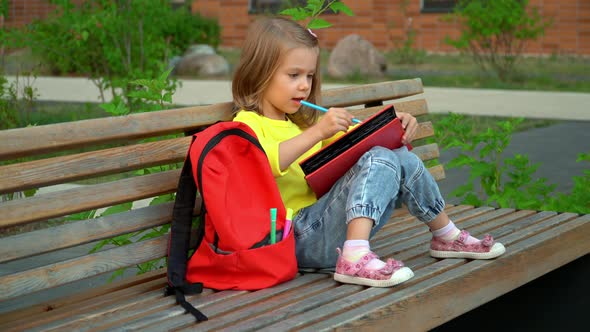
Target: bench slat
[84,231]
[83,267]
[62,136]
[197,301]
[40,173]
[427,152]
[174,317]
[149,288]
[367,93]
[291,308]
[89,318]
[100,317]
[416,107]
[65,202]
[130,286]
[321,312]
[437,172]
[344,304]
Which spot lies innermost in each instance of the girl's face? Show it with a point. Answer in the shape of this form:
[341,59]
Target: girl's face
[290,83]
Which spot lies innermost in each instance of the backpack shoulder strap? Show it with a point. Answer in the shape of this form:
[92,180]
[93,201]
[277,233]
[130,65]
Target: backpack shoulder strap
[178,245]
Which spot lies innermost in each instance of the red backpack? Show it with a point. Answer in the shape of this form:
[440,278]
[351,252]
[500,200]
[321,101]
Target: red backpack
[233,242]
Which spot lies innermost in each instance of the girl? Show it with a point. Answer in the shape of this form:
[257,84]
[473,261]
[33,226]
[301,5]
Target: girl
[280,66]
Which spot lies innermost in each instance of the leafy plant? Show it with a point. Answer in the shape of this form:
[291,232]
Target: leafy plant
[496,32]
[115,41]
[146,94]
[16,101]
[578,200]
[313,9]
[504,182]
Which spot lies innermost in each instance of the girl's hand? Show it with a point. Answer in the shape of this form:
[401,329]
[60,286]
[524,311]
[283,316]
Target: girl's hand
[335,120]
[410,125]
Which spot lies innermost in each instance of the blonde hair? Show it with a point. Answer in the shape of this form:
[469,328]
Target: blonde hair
[267,41]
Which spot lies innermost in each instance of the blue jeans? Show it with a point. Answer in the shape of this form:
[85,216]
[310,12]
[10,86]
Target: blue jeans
[380,181]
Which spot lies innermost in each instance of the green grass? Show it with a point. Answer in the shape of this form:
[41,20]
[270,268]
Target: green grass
[43,113]
[534,73]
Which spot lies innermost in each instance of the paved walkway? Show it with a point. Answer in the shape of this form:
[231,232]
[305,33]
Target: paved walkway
[531,104]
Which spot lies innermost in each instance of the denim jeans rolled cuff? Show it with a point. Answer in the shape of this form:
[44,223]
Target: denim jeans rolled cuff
[364,211]
[427,214]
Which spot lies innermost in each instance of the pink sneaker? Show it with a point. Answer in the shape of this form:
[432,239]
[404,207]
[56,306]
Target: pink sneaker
[393,273]
[485,249]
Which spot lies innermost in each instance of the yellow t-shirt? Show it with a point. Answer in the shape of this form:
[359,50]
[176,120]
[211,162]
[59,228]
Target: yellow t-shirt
[295,191]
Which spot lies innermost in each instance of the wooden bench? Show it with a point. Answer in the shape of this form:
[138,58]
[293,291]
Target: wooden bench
[537,242]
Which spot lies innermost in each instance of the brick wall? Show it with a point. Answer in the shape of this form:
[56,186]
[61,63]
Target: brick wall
[384,24]
[380,21]
[22,12]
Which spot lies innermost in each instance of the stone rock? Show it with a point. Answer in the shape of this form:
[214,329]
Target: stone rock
[199,49]
[202,65]
[354,54]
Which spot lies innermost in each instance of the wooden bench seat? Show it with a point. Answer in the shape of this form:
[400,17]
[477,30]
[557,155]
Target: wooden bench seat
[537,242]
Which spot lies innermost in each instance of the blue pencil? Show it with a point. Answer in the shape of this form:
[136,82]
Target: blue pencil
[323,109]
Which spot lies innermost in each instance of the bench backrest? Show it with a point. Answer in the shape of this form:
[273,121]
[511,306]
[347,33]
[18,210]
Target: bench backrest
[115,147]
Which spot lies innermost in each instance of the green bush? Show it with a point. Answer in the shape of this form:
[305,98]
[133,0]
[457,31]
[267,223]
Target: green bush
[112,41]
[578,200]
[16,101]
[505,182]
[496,32]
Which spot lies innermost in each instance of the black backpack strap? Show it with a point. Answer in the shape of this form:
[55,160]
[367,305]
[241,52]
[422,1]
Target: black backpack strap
[179,293]
[180,233]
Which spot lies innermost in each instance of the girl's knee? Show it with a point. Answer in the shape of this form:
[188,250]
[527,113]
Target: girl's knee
[379,163]
[409,161]
[385,155]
